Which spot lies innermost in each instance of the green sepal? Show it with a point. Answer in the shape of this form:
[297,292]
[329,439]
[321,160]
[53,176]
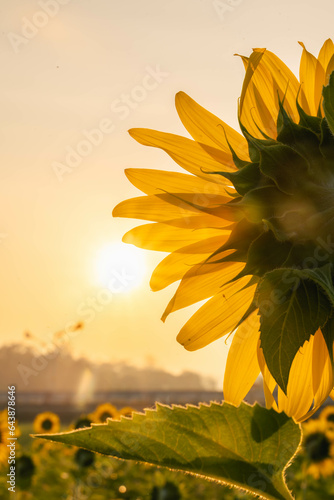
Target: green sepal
[301,139]
[300,255]
[265,254]
[274,226]
[291,309]
[311,122]
[263,202]
[245,179]
[252,150]
[284,166]
[327,143]
[238,162]
[242,234]
[328,102]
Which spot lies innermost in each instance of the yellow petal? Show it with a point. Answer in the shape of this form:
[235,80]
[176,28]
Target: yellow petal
[170,210]
[160,181]
[160,236]
[329,70]
[326,53]
[312,79]
[153,208]
[201,282]
[321,370]
[217,317]
[177,264]
[188,154]
[267,77]
[284,81]
[257,98]
[300,387]
[242,367]
[269,383]
[206,128]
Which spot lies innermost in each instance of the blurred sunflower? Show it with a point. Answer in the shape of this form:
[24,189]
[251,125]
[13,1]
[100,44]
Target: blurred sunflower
[83,421]
[318,445]
[327,415]
[46,422]
[104,411]
[4,434]
[251,229]
[126,411]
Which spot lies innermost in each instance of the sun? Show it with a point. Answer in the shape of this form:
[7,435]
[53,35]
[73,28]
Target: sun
[120,267]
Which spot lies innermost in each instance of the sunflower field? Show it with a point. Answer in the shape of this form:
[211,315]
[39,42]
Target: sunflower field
[50,470]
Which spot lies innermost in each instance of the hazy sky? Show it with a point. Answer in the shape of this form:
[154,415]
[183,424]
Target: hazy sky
[69,67]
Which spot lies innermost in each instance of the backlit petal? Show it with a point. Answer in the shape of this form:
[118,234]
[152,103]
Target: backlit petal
[206,128]
[217,317]
[160,181]
[269,383]
[201,282]
[321,370]
[160,236]
[177,264]
[188,154]
[326,53]
[312,79]
[168,209]
[242,367]
[300,387]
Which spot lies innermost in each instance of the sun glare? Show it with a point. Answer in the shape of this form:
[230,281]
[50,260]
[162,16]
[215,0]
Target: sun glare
[120,267]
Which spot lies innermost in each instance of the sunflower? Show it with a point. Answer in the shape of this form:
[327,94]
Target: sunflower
[83,421]
[318,446]
[250,230]
[46,422]
[126,411]
[4,435]
[327,415]
[104,411]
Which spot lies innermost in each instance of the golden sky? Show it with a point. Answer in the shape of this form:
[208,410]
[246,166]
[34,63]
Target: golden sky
[76,75]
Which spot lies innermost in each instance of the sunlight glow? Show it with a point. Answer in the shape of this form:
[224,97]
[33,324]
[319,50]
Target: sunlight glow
[120,267]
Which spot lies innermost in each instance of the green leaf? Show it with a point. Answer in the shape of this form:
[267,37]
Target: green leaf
[323,277]
[292,309]
[248,447]
[328,103]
